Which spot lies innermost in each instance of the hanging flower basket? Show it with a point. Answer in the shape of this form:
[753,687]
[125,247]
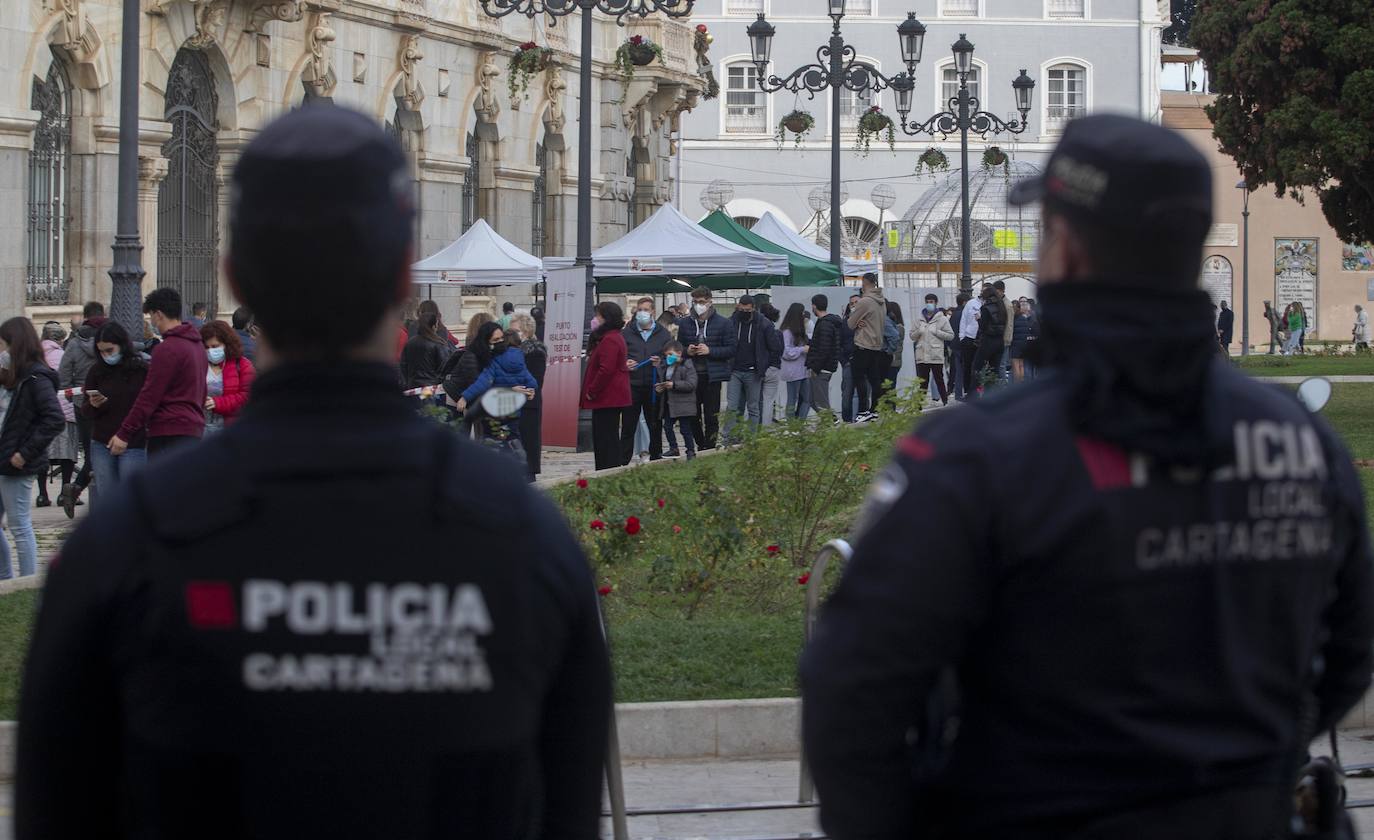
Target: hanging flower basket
[529,59]
[993,157]
[932,160]
[636,52]
[872,124]
[799,123]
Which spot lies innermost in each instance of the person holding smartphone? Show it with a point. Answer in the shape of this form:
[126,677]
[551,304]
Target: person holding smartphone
[111,386]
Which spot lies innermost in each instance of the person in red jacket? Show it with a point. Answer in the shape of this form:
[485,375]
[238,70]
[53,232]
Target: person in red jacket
[228,378]
[171,404]
[606,384]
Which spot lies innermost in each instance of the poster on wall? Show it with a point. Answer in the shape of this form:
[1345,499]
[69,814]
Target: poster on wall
[1217,278]
[563,335]
[1295,277]
[1357,257]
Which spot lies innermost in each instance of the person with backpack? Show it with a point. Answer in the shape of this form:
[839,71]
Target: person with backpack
[869,322]
[894,329]
[228,378]
[32,421]
[823,353]
[992,325]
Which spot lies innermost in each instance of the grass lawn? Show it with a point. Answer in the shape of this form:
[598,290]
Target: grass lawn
[16,619]
[1308,365]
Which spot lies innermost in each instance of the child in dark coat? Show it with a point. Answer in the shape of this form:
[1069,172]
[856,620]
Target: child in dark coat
[678,384]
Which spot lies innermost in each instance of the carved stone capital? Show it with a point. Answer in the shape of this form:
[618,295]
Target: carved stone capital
[287,11]
[318,77]
[408,92]
[488,104]
[151,171]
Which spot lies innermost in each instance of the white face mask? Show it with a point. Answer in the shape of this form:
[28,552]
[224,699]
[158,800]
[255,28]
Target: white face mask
[701,308]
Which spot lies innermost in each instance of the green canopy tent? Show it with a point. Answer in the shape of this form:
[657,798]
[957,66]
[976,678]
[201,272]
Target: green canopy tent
[806,271]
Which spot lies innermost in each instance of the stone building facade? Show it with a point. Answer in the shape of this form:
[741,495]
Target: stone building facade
[213,72]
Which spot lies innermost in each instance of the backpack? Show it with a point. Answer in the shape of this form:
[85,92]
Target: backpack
[892,336]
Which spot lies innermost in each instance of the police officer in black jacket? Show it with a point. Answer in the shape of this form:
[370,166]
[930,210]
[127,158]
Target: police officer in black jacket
[1151,583]
[335,619]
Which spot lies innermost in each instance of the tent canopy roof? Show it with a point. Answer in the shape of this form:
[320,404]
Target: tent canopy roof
[668,245]
[776,232]
[479,257]
[806,271]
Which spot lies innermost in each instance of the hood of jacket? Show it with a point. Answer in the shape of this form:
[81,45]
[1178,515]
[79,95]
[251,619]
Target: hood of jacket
[38,370]
[511,360]
[1137,362]
[83,346]
[185,331]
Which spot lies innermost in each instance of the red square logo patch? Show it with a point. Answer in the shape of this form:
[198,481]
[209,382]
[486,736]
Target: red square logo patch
[210,605]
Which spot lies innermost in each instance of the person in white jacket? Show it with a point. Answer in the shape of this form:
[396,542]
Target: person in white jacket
[1361,330]
[929,334]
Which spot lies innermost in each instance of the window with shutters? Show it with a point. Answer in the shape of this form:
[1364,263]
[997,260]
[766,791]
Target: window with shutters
[746,107]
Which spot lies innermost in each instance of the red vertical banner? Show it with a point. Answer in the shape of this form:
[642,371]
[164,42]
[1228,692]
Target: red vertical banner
[563,330]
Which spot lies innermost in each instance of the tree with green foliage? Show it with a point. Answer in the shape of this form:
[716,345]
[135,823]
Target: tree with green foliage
[1295,104]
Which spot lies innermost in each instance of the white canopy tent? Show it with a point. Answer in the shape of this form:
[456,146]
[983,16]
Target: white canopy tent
[479,257]
[770,228]
[670,244]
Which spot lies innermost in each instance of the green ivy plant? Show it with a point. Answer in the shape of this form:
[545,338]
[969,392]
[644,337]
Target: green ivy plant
[799,123]
[636,52]
[994,157]
[529,59]
[875,123]
[932,160]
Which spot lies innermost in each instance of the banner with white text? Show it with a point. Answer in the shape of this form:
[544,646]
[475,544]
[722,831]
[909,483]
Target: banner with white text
[563,330]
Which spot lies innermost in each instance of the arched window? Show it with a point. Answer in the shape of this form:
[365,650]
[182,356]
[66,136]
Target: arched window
[188,198]
[48,281]
[853,104]
[746,107]
[470,183]
[539,201]
[1066,94]
[948,87]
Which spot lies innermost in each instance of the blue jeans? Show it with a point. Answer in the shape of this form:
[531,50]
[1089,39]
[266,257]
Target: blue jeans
[16,494]
[744,394]
[112,472]
[798,399]
[1294,340]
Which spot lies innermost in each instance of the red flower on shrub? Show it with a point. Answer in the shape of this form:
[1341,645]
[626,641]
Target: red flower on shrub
[598,525]
[804,579]
[661,504]
[677,529]
[605,590]
[632,526]
[582,484]
[773,549]
[863,468]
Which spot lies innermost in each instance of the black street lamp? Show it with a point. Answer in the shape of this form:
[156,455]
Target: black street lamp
[1245,270]
[618,9]
[126,271]
[836,68]
[963,116]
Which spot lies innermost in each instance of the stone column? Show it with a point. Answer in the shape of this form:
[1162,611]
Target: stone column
[16,140]
[152,169]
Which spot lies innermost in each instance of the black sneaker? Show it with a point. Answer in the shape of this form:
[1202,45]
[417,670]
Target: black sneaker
[691,456]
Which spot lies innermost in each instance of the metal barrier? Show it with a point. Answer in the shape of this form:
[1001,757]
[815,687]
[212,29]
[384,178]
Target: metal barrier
[615,782]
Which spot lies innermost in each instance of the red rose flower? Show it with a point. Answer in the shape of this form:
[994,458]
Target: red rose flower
[773,549]
[632,525]
[804,579]
[677,529]
[598,525]
[582,484]
[604,591]
[661,504]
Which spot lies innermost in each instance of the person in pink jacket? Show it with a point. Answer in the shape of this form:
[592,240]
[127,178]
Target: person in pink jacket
[228,376]
[66,447]
[606,384]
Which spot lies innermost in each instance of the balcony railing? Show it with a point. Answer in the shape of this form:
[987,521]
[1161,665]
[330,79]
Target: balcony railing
[743,7]
[1066,8]
[750,121]
[959,8]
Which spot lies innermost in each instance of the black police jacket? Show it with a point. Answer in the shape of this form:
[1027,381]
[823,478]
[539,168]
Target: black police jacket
[1143,572]
[334,619]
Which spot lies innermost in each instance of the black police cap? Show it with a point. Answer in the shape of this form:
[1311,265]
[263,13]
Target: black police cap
[1122,172]
[324,160]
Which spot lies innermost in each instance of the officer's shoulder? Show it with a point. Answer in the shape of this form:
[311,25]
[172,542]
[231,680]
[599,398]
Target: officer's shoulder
[1008,416]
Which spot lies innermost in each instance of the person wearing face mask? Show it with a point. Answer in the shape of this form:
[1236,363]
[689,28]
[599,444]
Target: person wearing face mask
[644,340]
[112,384]
[823,353]
[504,368]
[929,334]
[171,405]
[32,420]
[1198,639]
[753,355]
[228,379]
[709,339]
[606,384]
[677,386]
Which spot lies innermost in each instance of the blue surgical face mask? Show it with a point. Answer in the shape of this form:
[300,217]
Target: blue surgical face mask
[113,359]
[672,359]
[644,318]
[930,307]
[216,355]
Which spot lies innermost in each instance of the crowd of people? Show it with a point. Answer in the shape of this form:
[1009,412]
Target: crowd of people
[91,406]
